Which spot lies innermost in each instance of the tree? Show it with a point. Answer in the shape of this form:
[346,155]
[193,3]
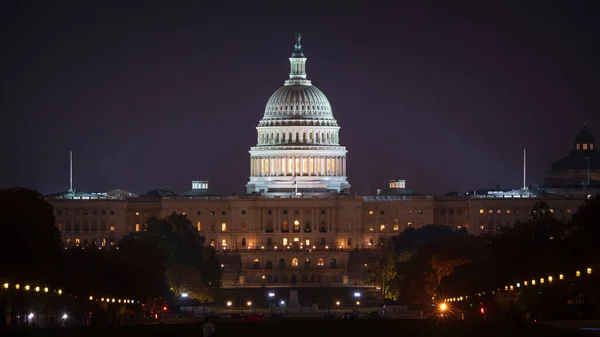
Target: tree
[187,279]
[30,244]
[184,254]
[383,271]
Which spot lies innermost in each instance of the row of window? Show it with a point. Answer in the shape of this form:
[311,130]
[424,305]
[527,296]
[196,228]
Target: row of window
[382,212]
[286,242]
[294,263]
[509,211]
[77,211]
[86,226]
[284,279]
[89,242]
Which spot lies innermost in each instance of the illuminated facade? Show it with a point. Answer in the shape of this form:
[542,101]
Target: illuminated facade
[275,237]
[318,240]
[298,139]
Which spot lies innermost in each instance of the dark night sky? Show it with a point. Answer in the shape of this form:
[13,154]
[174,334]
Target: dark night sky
[155,94]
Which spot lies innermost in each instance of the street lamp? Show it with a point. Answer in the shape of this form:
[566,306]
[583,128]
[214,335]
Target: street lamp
[271,295]
[249,304]
[184,295]
[443,307]
[357,294]
[5,285]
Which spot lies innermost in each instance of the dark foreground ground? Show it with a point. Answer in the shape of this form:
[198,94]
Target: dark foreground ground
[317,328]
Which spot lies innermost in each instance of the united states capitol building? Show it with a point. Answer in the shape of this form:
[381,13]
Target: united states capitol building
[297,224]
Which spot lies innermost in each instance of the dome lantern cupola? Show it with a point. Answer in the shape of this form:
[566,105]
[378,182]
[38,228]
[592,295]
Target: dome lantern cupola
[584,140]
[297,65]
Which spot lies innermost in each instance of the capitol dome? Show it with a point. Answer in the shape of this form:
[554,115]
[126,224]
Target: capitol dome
[298,139]
[298,101]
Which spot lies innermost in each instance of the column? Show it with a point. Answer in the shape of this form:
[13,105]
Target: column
[344,167]
[323,166]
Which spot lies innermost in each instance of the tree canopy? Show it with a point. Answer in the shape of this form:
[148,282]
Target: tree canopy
[30,244]
[190,265]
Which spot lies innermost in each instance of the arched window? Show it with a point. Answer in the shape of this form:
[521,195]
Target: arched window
[307,227]
[296,226]
[281,264]
[269,228]
[313,278]
[285,227]
[243,242]
[320,262]
[307,263]
[333,264]
[304,278]
[294,262]
[243,226]
[269,264]
[256,264]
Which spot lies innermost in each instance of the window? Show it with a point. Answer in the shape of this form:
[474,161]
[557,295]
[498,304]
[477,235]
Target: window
[296,239]
[281,264]
[578,146]
[285,211]
[198,226]
[269,242]
[243,211]
[223,213]
[112,212]
[499,211]
[112,229]
[77,242]
[256,264]
[508,211]
[269,227]
[285,227]
[243,226]
[323,227]
[136,213]
[198,212]
[490,211]
[420,211]
[409,224]
[295,211]
[396,227]
[307,263]
[480,226]
[333,264]
[320,262]
[371,227]
[323,242]
[569,211]
[137,227]
[212,212]
[285,241]
[269,264]
[370,212]
[382,212]
[269,212]
[224,243]
[307,227]
[296,226]
[349,243]
[243,241]
[381,227]
[458,227]
[323,211]
[224,227]
[307,242]
[585,146]
[294,262]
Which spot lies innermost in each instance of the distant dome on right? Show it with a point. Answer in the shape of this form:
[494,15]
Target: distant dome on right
[581,167]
